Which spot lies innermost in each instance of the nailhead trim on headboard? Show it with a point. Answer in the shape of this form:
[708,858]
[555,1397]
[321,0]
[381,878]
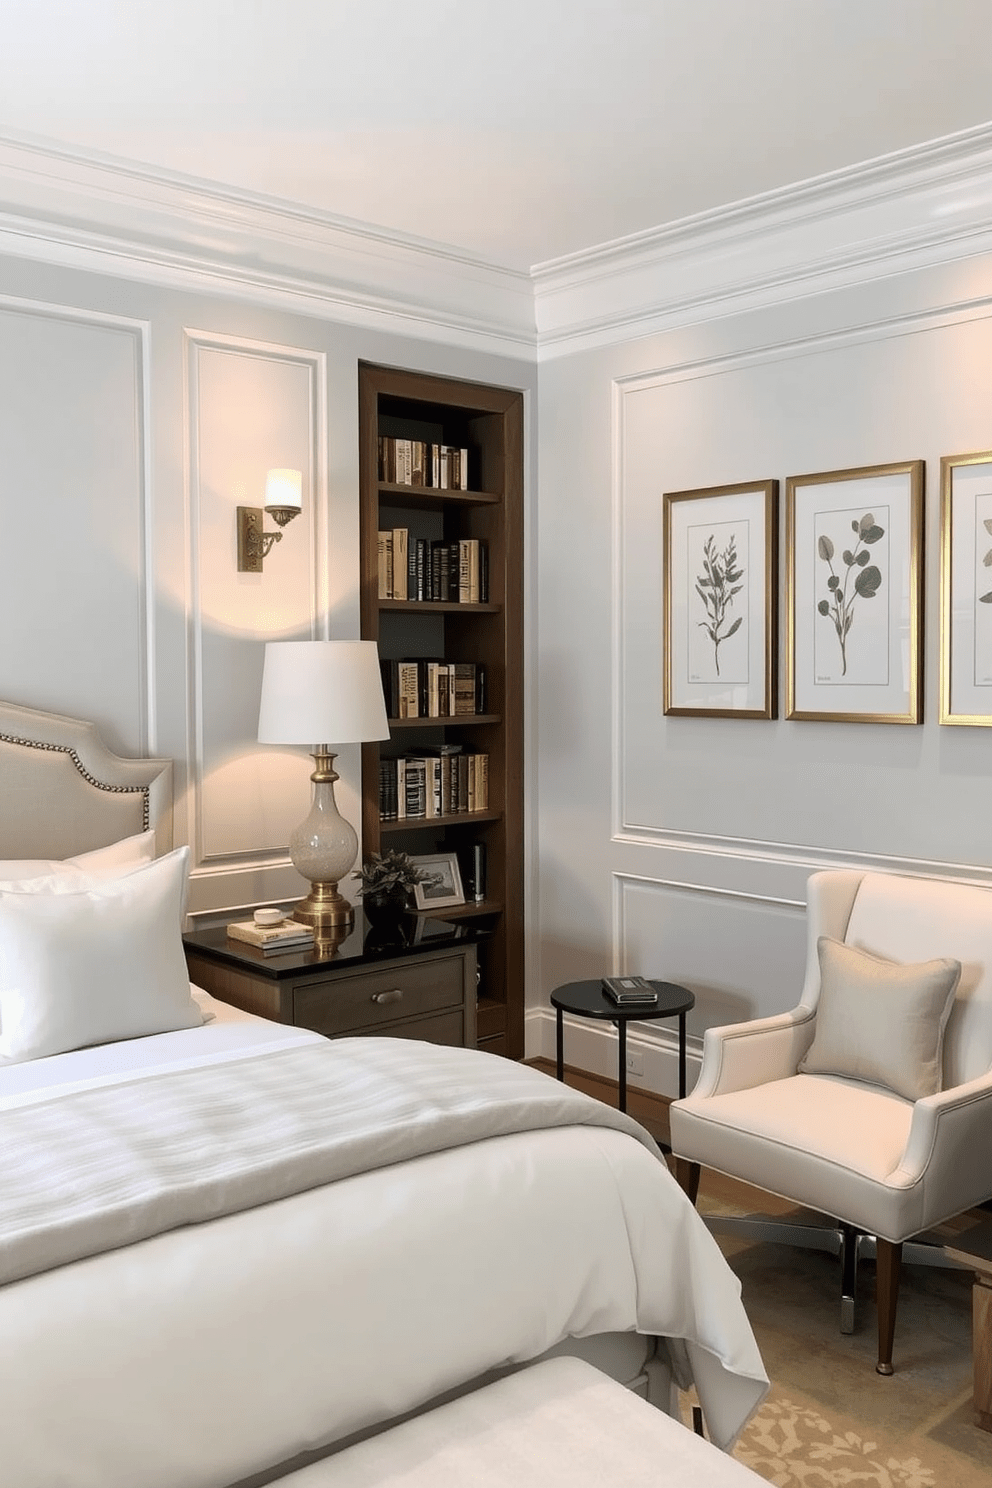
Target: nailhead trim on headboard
[125,790]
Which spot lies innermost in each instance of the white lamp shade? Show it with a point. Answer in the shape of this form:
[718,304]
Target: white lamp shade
[284,488]
[321,692]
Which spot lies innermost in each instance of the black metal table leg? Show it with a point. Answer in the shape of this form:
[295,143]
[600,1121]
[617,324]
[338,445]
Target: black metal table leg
[560,1035]
[622,1056]
[681,1056]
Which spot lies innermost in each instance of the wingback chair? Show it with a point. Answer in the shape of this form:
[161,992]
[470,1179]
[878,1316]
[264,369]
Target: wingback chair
[871,1101]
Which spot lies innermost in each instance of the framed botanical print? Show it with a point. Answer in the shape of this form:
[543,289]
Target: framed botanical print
[966,589]
[854,592]
[720,576]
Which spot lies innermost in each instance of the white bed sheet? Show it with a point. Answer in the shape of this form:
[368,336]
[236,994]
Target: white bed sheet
[208,1354]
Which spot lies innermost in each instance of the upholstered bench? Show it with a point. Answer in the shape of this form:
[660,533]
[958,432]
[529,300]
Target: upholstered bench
[558,1424]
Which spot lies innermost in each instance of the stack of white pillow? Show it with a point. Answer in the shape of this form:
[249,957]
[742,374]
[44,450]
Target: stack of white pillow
[91,949]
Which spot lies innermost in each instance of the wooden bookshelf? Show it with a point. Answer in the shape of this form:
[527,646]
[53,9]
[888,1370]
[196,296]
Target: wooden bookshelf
[488,422]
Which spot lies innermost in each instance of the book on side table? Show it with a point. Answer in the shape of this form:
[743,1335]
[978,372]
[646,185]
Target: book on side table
[285,935]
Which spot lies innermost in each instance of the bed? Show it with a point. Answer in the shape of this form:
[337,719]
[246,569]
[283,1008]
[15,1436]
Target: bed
[229,1247]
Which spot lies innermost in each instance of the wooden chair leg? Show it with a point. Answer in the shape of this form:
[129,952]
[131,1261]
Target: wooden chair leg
[687,1177]
[888,1268]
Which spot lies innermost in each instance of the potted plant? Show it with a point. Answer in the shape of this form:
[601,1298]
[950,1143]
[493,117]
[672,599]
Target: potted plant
[386,880]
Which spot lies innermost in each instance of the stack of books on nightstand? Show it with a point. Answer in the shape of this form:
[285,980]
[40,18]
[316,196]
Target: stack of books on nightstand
[286,935]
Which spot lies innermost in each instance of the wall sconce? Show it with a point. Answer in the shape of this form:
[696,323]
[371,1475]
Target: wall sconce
[283,502]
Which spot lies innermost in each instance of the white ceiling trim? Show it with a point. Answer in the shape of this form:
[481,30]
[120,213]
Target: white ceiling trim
[916,207]
[94,212]
[927,205]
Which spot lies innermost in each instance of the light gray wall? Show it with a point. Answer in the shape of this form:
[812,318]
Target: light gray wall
[680,847]
[133,421]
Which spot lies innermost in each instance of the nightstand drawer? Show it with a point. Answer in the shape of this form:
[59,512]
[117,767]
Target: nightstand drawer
[370,1001]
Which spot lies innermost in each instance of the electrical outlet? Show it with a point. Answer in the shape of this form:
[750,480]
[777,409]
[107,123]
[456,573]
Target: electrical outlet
[635,1064]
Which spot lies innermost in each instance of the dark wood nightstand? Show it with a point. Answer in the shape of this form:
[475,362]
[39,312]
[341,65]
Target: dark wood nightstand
[419,984]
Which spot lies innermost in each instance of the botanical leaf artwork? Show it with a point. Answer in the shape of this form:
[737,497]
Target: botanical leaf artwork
[866,576]
[718,586]
[987,563]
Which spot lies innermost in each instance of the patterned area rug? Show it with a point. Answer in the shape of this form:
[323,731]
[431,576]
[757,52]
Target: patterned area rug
[829,1420]
[788,1443]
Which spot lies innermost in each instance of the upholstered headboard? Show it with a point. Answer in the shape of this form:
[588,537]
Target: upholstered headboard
[63,792]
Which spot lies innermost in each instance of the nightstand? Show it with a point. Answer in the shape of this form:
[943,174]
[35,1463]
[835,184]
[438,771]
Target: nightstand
[419,983]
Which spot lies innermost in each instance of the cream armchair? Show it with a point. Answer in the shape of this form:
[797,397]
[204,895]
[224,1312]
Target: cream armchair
[871,1101]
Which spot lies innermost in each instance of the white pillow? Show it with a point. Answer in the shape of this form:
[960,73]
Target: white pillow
[94,965]
[102,862]
[881,1021]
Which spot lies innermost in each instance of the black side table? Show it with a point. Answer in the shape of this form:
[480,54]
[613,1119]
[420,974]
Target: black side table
[588,1000]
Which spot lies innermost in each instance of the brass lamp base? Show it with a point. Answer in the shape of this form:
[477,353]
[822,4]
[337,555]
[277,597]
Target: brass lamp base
[324,908]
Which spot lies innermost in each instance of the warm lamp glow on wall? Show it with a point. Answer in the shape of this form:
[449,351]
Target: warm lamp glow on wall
[283,502]
[329,690]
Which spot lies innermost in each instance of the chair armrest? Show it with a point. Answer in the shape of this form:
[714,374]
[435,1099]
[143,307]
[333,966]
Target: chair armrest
[739,1056]
[949,1148]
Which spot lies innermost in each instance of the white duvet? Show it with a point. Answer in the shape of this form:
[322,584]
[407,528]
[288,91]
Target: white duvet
[204,1355]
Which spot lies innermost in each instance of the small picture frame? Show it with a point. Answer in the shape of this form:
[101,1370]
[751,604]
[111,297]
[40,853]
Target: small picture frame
[447,891]
[720,592]
[854,595]
[966,589]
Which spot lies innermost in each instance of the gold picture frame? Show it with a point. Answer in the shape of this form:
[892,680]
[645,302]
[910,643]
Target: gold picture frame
[720,601]
[966,589]
[854,594]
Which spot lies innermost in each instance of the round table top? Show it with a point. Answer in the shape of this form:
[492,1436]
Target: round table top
[588,1000]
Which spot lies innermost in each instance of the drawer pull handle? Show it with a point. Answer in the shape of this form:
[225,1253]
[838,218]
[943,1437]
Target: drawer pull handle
[394,996]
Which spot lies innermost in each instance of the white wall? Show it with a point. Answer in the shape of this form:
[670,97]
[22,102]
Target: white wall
[680,847]
[134,419]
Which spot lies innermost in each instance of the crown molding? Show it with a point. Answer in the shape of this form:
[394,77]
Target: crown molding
[914,208]
[91,211]
[927,205]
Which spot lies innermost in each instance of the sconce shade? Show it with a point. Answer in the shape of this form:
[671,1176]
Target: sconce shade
[284,490]
[326,692]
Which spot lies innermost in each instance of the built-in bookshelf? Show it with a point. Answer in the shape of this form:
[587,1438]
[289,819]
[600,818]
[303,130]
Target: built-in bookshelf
[441,470]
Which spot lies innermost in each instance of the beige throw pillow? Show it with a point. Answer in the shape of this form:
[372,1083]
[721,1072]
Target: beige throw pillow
[881,1021]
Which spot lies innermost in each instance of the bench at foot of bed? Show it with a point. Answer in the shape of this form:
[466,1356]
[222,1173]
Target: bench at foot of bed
[558,1424]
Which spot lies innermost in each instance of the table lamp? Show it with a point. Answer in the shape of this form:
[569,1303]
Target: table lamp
[328,690]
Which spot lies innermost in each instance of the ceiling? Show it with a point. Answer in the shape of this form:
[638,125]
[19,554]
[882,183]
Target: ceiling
[515,130]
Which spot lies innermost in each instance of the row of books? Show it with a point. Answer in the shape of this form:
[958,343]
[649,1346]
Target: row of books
[455,571]
[445,783]
[417,462]
[422,687]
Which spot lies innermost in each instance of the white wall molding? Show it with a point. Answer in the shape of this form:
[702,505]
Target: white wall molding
[927,205]
[315,520]
[139,333]
[805,856]
[90,211]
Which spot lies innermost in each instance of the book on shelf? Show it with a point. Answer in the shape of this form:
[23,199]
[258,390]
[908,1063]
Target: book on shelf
[438,781]
[428,687]
[453,571]
[419,462]
[385,559]
[288,935]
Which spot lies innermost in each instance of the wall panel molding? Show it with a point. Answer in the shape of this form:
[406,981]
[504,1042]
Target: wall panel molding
[138,332]
[805,856]
[313,522]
